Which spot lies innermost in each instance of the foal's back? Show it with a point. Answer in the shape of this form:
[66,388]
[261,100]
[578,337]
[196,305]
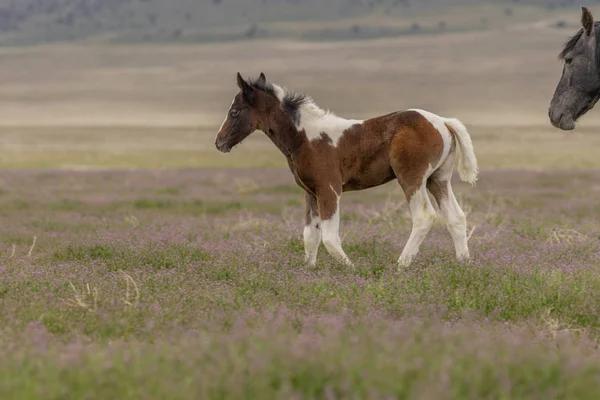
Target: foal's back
[375,151]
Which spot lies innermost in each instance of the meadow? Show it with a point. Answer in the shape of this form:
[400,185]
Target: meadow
[190,284]
[137,262]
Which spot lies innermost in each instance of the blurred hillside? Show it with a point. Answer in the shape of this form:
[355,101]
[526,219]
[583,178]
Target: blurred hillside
[25,22]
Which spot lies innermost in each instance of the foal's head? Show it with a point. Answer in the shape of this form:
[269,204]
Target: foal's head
[579,87]
[257,106]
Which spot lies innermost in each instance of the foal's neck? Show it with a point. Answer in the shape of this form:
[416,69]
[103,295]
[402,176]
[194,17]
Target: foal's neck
[287,139]
[303,121]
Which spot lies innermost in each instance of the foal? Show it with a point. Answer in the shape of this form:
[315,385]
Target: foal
[329,155]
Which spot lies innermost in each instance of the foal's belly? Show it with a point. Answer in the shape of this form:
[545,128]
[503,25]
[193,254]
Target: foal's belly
[368,178]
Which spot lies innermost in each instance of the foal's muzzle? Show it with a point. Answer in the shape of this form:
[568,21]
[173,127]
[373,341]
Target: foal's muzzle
[222,145]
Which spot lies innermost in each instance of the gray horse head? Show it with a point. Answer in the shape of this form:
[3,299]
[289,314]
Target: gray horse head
[579,87]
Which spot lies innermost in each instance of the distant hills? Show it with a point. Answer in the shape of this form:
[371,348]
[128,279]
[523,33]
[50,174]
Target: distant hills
[27,22]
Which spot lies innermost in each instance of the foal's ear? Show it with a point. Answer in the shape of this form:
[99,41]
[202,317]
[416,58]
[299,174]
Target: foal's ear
[262,79]
[241,82]
[247,91]
[587,20]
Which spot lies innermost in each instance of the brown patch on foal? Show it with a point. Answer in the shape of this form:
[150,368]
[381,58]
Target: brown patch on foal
[364,153]
[416,145]
[318,167]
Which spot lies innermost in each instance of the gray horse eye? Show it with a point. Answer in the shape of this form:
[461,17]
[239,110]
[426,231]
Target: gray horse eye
[568,60]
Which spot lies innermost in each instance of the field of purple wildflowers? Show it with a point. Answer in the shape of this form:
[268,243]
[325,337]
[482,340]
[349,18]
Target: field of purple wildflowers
[190,284]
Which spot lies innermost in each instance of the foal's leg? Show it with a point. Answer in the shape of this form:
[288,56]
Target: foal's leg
[312,230]
[440,187]
[328,202]
[423,216]
[454,216]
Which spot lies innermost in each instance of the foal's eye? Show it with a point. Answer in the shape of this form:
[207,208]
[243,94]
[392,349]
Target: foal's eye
[568,60]
[234,113]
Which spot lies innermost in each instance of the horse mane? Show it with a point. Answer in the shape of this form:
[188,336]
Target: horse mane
[570,44]
[572,41]
[293,103]
[262,85]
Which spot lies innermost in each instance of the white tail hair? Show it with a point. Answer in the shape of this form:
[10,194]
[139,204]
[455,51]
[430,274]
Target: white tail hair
[467,162]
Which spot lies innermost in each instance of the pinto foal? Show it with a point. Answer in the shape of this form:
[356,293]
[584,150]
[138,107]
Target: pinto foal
[329,155]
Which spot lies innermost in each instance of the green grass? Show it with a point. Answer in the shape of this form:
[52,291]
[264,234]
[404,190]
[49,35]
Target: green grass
[120,257]
[133,291]
[165,205]
[125,159]
[500,293]
[425,365]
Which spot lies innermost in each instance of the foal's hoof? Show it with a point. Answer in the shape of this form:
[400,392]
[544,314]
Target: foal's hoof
[346,263]
[463,260]
[404,263]
[310,261]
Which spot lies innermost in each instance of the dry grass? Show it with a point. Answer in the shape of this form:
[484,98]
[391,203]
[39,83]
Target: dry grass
[531,147]
[160,106]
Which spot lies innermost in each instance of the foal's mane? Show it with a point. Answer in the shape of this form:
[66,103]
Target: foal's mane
[572,41]
[291,102]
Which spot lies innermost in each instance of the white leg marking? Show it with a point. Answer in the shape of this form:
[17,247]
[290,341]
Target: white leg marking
[331,236]
[312,239]
[456,222]
[423,216]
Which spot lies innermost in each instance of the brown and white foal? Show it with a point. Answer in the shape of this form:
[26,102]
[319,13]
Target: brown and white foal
[329,155]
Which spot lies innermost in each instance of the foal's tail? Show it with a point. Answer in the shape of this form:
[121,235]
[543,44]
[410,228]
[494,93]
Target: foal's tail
[467,162]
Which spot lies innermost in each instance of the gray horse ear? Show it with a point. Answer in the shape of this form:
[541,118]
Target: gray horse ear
[587,20]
